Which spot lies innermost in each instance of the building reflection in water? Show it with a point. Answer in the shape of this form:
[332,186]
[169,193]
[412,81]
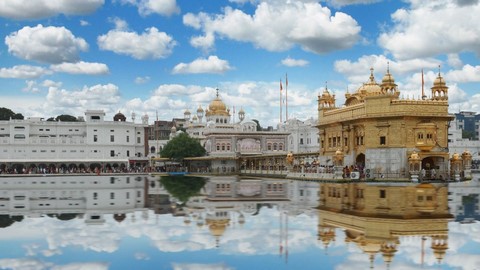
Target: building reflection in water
[66,198]
[378,217]
[380,220]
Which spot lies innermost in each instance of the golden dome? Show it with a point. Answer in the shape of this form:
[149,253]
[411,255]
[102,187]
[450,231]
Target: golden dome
[217,107]
[466,153]
[200,109]
[371,86]
[439,81]
[456,156]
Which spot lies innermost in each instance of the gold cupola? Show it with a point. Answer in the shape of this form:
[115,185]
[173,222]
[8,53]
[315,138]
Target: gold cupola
[217,107]
[440,88]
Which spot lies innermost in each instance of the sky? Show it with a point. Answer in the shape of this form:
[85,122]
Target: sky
[161,57]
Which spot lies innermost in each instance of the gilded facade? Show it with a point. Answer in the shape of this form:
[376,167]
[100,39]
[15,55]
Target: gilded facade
[377,130]
[378,218]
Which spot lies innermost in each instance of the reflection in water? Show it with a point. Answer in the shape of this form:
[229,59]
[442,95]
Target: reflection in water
[233,223]
[376,217]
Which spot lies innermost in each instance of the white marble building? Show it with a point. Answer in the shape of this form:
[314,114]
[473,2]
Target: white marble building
[82,196]
[34,144]
[303,135]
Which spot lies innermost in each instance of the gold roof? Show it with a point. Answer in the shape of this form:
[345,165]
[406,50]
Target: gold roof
[371,86]
[217,107]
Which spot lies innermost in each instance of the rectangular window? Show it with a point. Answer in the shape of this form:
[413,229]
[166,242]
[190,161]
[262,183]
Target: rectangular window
[139,140]
[112,153]
[383,193]
[128,153]
[95,138]
[128,138]
[112,138]
[383,140]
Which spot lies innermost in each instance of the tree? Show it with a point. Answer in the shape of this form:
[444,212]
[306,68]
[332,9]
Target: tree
[6,114]
[66,118]
[183,187]
[466,134]
[18,116]
[182,146]
[259,128]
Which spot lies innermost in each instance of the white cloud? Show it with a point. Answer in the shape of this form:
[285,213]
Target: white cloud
[199,266]
[279,27]
[212,64]
[50,83]
[35,43]
[142,80]
[60,101]
[82,266]
[151,44]
[341,3]
[81,68]
[148,7]
[37,9]
[119,23]
[84,23]
[162,7]
[23,72]
[467,74]
[358,71]
[177,89]
[453,59]
[419,31]
[291,62]
[204,42]
[31,87]
[24,263]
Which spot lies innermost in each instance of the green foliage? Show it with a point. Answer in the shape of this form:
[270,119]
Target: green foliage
[182,146]
[468,135]
[66,118]
[6,114]
[259,128]
[183,187]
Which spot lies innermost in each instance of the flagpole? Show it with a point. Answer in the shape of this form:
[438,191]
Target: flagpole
[281,101]
[423,91]
[286,97]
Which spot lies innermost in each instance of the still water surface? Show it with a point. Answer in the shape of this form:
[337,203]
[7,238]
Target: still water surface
[128,222]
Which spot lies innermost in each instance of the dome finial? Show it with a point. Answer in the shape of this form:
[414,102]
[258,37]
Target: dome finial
[439,70]
[372,78]
[388,66]
[217,91]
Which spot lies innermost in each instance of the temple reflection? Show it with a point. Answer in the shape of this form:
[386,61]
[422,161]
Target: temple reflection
[377,218]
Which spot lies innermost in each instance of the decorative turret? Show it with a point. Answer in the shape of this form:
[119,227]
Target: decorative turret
[200,113]
[388,86]
[145,119]
[119,117]
[439,89]
[326,100]
[187,115]
[241,114]
[467,164]
[439,246]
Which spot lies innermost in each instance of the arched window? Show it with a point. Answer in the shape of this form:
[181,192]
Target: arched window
[218,147]
[275,147]
[228,147]
[269,147]
[223,147]
[280,146]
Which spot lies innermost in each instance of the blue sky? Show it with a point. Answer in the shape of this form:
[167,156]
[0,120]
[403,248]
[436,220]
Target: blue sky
[165,56]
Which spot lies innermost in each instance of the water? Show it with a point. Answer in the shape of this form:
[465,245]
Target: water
[228,223]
